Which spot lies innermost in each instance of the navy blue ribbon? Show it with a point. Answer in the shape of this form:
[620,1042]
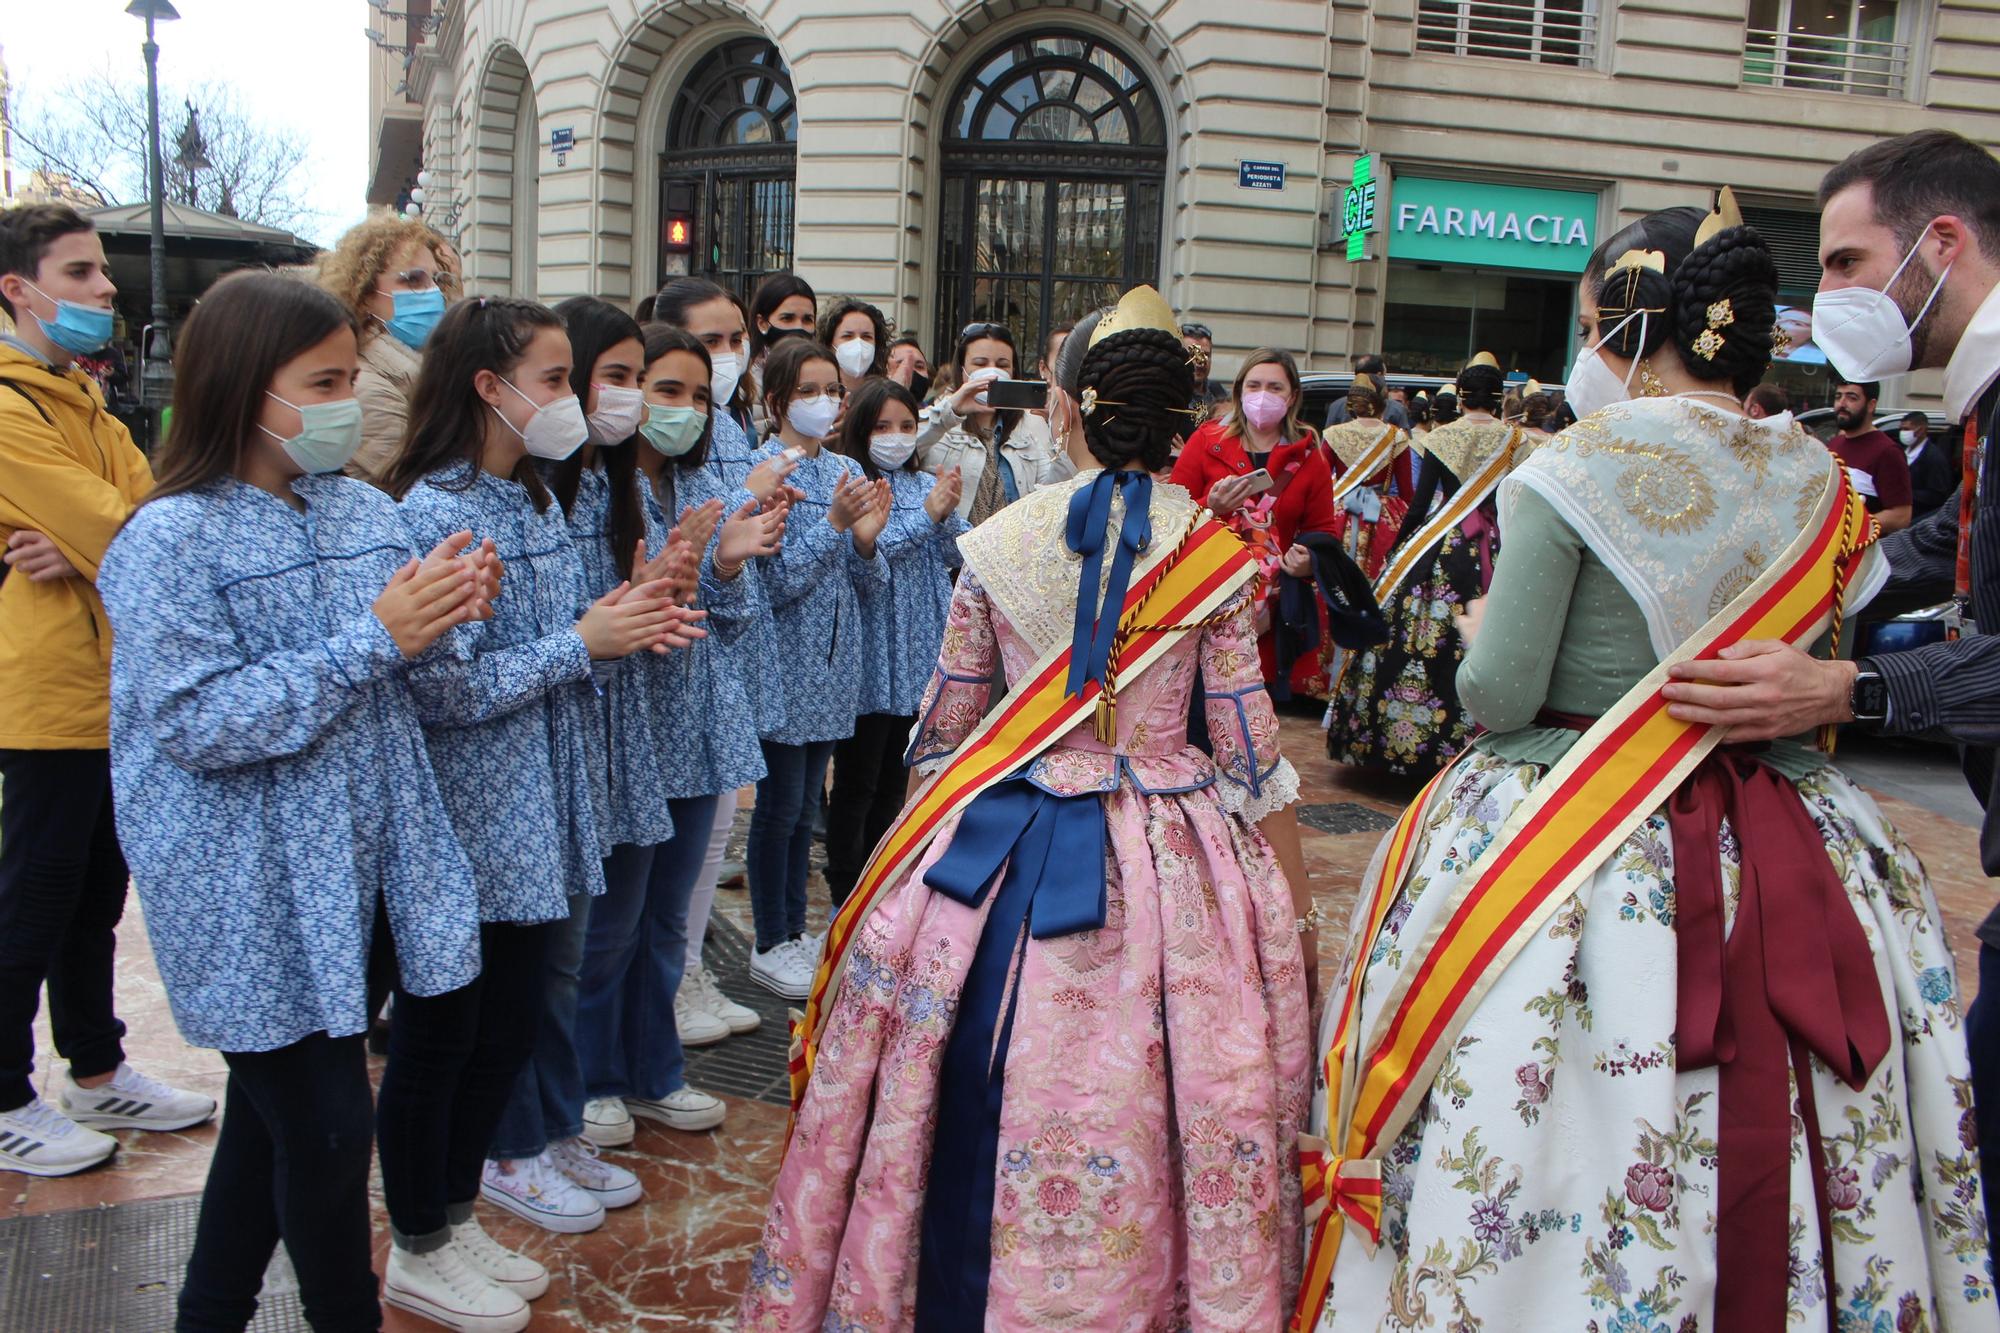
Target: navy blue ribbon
[1052,848]
[1089,519]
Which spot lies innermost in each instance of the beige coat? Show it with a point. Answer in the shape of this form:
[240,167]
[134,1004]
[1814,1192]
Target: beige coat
[388,379]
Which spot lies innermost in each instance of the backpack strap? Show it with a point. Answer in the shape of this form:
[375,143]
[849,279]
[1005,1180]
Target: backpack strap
[33,402]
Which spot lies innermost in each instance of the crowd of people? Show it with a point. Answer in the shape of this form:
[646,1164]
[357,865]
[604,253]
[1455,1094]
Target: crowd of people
[414,678]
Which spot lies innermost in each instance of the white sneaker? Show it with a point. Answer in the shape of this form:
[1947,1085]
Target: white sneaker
[439,1285]
[687,1109]
[783,970]
[607,1123]
[39,1140]
[740,1018]
[532,1188]
[132,1100]
[498,1264]
[692,1019]
[612,1185]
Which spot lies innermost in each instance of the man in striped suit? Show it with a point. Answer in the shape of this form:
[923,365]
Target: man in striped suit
[1916,219]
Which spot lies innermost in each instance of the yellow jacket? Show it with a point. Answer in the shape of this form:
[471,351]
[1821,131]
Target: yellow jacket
[68,470]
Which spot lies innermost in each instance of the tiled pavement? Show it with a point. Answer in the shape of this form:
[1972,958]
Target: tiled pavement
[675,1260]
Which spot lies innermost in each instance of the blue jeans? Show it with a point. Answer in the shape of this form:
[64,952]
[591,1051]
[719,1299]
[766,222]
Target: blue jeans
[781,833]
[634,957]
[547,1102]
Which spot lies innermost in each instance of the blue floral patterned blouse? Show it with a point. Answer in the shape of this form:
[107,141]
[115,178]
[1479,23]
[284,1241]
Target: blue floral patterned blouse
[816,585]
[754,642]
[271,779]
[901,632]
[513,728]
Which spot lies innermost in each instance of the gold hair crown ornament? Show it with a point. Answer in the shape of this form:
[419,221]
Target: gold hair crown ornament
[1140,308]
[1725,215]
[1632,263]
[1484,359]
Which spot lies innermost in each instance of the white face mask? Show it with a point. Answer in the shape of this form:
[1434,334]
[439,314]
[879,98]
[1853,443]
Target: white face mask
[619,412]
[812,417]
[890,452]
[989,374]
[1861,329]
[856,356]
[557,429]
[1591,386]
[725,370]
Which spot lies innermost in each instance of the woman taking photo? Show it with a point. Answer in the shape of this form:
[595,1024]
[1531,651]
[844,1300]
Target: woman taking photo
[512,731]
[1721,959]
[1395,706]
[829,561]
[963,430]
[900,630]
[860,340]
[392,274]
[272,783]
[1260,468]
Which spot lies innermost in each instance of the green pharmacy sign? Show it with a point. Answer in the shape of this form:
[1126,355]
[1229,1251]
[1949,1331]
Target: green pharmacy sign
[1495,226]
[1357,209]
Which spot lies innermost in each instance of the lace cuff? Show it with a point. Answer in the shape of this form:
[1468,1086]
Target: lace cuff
[1276,790]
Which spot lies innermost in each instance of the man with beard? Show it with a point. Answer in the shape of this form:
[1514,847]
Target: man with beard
[1876,464]
[1910,260]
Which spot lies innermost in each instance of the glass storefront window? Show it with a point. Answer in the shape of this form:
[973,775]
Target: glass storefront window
[1437,317]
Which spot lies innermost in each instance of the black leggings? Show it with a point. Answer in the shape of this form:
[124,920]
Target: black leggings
[453,1059]
[290,1164]
[869,783]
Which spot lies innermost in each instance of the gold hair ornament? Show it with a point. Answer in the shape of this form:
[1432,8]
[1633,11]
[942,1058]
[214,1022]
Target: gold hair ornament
[1140,308]
[1724,216]
[1720,316]
[1632,263]
[1088,402]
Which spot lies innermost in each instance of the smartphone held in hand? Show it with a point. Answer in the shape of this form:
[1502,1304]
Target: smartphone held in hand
[1025,395]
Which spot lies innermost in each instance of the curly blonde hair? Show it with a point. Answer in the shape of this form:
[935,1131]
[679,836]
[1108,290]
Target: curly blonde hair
[351,270]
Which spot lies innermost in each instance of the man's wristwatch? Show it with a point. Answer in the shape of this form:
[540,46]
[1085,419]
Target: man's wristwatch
[1868,697]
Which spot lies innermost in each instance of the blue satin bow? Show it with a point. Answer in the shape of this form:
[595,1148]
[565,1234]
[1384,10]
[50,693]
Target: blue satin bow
[1089,518]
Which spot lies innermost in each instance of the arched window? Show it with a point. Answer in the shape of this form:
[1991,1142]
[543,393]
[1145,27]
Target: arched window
[726,177]
[1055,160]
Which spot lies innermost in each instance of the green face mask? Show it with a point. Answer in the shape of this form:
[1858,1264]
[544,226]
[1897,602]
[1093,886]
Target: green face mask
[673,430]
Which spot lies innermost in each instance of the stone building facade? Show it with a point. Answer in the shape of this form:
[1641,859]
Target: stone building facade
[962,160]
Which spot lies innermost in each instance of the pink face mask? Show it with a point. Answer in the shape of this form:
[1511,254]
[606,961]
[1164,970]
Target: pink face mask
[1264,408]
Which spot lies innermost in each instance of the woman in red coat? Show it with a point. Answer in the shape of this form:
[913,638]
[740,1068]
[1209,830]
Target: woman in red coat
[1262,429]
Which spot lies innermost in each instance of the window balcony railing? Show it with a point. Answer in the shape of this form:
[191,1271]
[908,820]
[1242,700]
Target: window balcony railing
[1826,64]
[1545,32]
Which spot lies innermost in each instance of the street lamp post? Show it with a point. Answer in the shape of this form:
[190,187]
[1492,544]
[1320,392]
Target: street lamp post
[156,382]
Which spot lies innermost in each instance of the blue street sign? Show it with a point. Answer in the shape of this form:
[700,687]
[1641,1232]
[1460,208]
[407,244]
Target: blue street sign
[562,141]
[1260,175]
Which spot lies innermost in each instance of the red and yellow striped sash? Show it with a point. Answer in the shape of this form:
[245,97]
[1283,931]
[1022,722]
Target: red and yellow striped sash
[1406,557]
[1165,601]
[1372,460]
[1611,779]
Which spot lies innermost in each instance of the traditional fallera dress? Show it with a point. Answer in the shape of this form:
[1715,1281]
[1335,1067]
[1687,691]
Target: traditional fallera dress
[1371,506]
[1613,1127]
[1129,1162]
[1396,706]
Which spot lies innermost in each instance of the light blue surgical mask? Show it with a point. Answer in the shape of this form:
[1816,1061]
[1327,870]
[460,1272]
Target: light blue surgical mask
[329,434]
[77,329]
[673,431]
[417,313]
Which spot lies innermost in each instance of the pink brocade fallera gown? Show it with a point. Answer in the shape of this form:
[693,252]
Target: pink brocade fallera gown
[1158,1068]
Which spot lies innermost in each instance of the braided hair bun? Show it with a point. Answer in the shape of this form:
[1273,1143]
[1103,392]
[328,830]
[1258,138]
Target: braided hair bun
[1733,267]
[1480,389]
[1143,381]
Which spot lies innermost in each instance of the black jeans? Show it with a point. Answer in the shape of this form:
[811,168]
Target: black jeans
[869,782]
[62,890]
[290,1164]
[1982,1040]
[453,1059]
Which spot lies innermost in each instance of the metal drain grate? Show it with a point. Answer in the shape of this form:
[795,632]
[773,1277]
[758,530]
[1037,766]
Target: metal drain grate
[754,1065]
[1345,817]
[116,1269]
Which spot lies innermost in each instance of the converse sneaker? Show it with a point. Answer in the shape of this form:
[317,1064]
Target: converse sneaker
[132,1100]
[732,875]
[692,1020]
[783,970]
[708,993]
[686,1109]
[439,1285]
[607,1123]
[39,1140]
[532,1188]
[498,1264]
[611,1185]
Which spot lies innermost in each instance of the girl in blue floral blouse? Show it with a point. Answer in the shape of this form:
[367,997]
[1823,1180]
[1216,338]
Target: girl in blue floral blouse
[514,732]
[900,632]
[274,796]
[829,562]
